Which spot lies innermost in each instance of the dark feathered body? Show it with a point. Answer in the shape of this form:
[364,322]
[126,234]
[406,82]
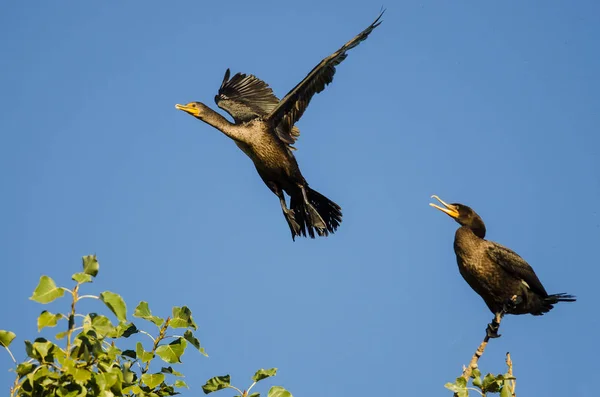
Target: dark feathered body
[505,281]
[272,158]
[477,264]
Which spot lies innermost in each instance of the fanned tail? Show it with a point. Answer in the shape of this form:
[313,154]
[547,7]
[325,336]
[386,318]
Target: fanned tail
[322,216]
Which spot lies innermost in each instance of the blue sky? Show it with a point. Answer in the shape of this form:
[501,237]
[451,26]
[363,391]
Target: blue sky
[492,105]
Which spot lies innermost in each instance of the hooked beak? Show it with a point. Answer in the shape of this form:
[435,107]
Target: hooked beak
[450,209]
[194,111]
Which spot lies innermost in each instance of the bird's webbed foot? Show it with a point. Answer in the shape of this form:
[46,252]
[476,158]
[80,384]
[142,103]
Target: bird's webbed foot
[492,329]
[290,217]
[315,218]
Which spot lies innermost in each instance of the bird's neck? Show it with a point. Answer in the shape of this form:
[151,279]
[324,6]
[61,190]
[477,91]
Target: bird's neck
[219,122]
[465,241]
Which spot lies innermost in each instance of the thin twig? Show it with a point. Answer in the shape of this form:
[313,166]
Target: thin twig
[11,355]
[146,333]
[88,297]
[71,319]
[161,336]
[513,382]
[236,389]
[479,352]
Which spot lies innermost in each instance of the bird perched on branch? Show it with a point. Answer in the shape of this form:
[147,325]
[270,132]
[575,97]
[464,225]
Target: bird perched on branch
[507,283]
[265,130]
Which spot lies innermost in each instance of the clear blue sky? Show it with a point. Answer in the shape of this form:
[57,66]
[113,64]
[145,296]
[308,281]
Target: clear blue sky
[492,105]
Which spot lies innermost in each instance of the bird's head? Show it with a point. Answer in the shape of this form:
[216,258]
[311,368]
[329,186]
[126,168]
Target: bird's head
[462,214]
[196,109]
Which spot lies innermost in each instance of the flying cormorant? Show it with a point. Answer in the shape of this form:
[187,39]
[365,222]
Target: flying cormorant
[507,283]
[264,130]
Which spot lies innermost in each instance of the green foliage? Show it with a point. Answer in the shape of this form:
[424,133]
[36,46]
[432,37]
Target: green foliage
[278,391]
[6,337]
[264,373]
[87,361]
[224,382]
[143,311]
[216,383]
[47,319]
[490,384]
[46,291]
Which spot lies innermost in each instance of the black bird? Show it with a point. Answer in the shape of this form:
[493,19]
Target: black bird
[507,283]
[264,130]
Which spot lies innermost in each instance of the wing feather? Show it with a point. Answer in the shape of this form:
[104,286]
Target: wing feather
[293,105]
[516,266]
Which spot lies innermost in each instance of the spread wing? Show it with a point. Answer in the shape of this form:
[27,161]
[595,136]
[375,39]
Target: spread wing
[516,266]
[246,97]
[293,105]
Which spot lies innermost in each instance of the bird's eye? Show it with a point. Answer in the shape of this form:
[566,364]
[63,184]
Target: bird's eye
[193,105]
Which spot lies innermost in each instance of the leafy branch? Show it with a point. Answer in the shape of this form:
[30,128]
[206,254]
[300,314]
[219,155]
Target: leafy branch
[224,382]
[90,363]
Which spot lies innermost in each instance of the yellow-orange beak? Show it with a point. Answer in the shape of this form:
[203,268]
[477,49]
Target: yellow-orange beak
[450,209]
[193,110]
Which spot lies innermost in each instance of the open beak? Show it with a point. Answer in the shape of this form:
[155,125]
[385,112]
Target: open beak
[450,209]
[194,111]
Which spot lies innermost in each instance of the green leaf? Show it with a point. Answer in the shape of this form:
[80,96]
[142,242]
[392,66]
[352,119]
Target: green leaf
[264,373]
[25,368]
[490,385]
[69,390]
[81,278]
[102,325]
[459,388]
[115,303]
[461,382]
[47,319]
[46,291]
[90,265]
[133,389]
[79,374]
[254,395]
[216,383]
[451,387]
[170,370]
[505,391]
[6,337]
[41,349]
[476,375]
[189,336]
[172,352]
[179,383]
[182,318]
[141,354]
[278,391]
[153,380]
[61,335]
[125,330]
[143,311]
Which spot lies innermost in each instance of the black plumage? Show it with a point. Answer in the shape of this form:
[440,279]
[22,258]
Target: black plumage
[265,130]
[505,281]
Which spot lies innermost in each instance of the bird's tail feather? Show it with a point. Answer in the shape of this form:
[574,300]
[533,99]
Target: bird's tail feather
[549,301]
[321,216]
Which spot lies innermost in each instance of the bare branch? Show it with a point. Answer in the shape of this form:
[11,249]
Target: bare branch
[513,382]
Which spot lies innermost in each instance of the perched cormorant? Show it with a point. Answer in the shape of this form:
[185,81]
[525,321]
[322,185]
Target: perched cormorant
[507,283]
[264,130]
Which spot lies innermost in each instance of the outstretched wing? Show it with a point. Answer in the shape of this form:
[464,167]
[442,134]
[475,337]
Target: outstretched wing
[246,97]
[293,105]
[516,266]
